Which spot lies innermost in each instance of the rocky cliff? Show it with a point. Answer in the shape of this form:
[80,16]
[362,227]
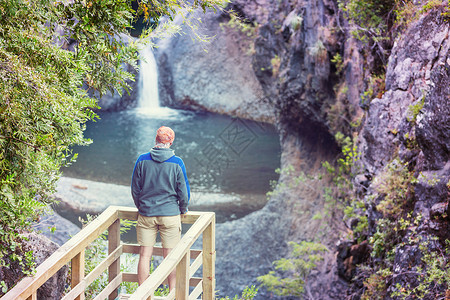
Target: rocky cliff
[399,122]
[404,146]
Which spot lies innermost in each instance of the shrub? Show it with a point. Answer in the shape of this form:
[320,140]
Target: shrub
[305,256]
[396,184]
[247,294]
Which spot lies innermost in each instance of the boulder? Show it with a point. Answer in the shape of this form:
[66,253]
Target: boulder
[42,248]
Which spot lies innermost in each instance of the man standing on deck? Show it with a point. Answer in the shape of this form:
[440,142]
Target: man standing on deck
[161,192]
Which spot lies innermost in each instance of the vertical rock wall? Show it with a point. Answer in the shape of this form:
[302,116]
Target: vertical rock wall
[411,122]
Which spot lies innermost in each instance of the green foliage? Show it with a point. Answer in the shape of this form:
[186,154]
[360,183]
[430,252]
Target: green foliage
[43,103]
[96,252]
[370,17]
[337,61]
[243,26]
[276,63]
[305,256]
[433,4]
[341,196]
[4,286]
[343,171]
[247,294]
[349,152]
[383,241]
[397,185]
[378,22]
[319,52]
[414,110]
[446,15]
[434,272]
[375,285]
[375,88]
[407,11]
[276,186]
[432,275]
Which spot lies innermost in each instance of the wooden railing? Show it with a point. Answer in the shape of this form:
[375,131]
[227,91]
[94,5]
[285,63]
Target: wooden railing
[203,223]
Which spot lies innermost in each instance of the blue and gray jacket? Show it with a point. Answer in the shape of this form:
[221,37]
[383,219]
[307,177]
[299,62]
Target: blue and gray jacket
[159,185]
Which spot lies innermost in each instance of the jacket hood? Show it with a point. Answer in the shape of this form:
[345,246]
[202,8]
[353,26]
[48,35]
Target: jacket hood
[161,154]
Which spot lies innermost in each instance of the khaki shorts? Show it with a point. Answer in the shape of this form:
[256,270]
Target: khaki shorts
[169,228]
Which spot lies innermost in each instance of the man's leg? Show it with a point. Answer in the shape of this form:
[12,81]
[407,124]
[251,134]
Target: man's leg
[173,275]
[145,254]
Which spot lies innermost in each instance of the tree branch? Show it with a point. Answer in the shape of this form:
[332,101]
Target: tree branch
[20,141]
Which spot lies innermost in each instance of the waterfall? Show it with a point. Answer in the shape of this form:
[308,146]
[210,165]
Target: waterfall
[148,101]
[148,82]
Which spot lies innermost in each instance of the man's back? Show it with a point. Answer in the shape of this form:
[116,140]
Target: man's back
[159,184]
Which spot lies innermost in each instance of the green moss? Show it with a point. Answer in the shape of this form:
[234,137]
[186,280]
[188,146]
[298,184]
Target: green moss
[414,110]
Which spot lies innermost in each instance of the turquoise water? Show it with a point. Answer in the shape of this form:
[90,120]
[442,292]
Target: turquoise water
[222,155]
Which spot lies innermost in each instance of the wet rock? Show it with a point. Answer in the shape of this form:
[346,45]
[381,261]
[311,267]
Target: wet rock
[244,251]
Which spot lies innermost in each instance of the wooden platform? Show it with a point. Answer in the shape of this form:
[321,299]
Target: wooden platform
[179,259]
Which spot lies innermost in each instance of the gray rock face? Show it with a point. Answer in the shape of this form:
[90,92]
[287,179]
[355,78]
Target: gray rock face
[290,70]
[303,37]
[247,247]
[416,72]
[54,287]
[42,248]
[433,129]
[411,121]
[291,63]
[416,103]
[214,76]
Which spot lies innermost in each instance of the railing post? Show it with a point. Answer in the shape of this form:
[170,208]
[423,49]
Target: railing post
[209,260]
[77,272]
[113,243]
[182,286]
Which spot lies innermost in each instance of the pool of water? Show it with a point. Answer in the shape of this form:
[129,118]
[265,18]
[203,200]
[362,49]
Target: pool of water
[222,155]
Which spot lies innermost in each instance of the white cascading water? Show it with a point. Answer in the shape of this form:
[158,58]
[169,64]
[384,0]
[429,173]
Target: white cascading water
[148,102]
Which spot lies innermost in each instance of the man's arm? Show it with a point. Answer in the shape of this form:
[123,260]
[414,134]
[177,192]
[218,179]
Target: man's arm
[184,190]
[135,184]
